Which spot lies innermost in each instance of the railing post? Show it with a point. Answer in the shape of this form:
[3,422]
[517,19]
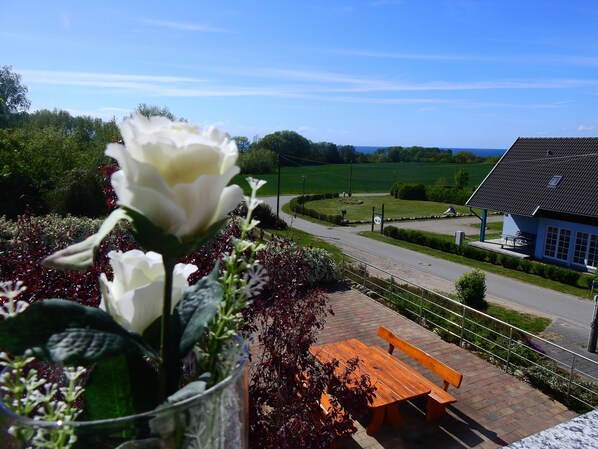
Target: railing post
[571,376]
[509,348]
[462,325]
[421,305]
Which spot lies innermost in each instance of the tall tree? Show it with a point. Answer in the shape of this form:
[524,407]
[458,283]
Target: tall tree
[461,178]
[242,143]
[13,95]
[347,153]
[153,110]
[287,143]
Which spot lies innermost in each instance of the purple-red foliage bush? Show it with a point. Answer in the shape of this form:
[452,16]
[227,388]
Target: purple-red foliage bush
[21,260]
[284,321]
[106,171]
[286,381]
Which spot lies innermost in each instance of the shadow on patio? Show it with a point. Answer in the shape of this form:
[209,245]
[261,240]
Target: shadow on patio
[493,408]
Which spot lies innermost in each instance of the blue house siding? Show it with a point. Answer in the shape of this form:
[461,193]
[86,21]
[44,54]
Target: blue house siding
[562,242]
[513,223]
[562,227]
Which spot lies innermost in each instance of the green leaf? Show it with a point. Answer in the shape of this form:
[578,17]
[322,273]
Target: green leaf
[108,393]
[197,308]
[154,238]
[188,391]
[120,386]
[68,333]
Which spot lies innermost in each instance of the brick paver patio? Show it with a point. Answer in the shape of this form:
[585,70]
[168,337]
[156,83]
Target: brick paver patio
[493,408]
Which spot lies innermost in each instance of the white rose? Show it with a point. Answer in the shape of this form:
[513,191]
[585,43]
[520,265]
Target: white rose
[134,297]
[175,174]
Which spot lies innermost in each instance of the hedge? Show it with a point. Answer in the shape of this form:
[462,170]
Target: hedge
[439,194]
[297,206]
[559,274]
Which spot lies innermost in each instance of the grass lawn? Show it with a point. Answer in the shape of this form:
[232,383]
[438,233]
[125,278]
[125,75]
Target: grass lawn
[525,321]
[332,178]
[493,229]
[304,239]
[360,207]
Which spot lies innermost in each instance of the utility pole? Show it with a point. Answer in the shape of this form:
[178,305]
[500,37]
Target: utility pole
[593,337]
[278,189]
[350,175]
[303,195]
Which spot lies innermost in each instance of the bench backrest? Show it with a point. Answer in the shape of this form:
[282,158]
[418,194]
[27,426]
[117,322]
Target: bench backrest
[449,375]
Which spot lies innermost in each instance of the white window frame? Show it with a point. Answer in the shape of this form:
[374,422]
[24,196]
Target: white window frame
[561,233]
[589,240]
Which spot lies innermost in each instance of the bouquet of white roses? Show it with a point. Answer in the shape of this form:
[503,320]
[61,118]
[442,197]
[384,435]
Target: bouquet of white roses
[172,189]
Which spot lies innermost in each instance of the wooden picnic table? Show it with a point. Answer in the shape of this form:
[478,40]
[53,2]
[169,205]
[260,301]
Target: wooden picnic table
[394,381]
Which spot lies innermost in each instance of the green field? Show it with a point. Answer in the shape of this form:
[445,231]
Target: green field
[364,177]
[360,207]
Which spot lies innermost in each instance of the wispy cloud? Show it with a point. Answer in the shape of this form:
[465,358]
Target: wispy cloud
[138,83]
[397,55]
[578,60]
[314,85]
[193,27]
[586,128]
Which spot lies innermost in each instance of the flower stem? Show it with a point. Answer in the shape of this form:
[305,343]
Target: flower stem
[168,349]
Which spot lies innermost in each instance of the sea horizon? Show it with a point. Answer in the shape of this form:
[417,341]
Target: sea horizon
[483,152]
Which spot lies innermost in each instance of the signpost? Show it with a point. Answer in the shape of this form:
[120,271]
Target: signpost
[378,219]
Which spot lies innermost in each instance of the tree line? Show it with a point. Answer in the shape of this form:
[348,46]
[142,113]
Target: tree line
[261,155]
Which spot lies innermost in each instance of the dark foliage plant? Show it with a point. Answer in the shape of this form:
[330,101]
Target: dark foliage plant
[21,260]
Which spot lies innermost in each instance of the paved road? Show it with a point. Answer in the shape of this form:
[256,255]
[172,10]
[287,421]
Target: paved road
[572,315]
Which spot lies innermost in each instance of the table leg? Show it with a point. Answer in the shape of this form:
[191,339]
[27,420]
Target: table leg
[393,415]
[376,422]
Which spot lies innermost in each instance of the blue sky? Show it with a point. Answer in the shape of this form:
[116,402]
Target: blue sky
[473,74]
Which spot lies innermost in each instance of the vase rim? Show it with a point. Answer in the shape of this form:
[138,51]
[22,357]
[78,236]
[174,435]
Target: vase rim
[242,361]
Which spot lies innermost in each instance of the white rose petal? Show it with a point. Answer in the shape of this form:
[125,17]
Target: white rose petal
[134,297]
[175,174]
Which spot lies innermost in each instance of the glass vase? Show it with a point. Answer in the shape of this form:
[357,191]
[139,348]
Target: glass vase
[214,419]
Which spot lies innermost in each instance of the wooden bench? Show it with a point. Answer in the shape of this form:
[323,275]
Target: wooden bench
[438,398]
[327,410]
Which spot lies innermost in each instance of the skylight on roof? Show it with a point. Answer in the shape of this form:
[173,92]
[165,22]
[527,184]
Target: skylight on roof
[555,181]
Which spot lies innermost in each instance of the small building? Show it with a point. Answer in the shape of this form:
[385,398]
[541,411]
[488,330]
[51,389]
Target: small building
[547,189]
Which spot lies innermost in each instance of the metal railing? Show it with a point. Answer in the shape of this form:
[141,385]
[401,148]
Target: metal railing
[568,376]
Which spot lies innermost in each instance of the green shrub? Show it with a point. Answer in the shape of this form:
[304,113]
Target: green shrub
[549,271]
[297,205]
[267,218]
[471,289]
[322,267]
[391,231]
[538,269]
[509,262]
[412,192]
[446,194]
[566,276]
[559,274]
